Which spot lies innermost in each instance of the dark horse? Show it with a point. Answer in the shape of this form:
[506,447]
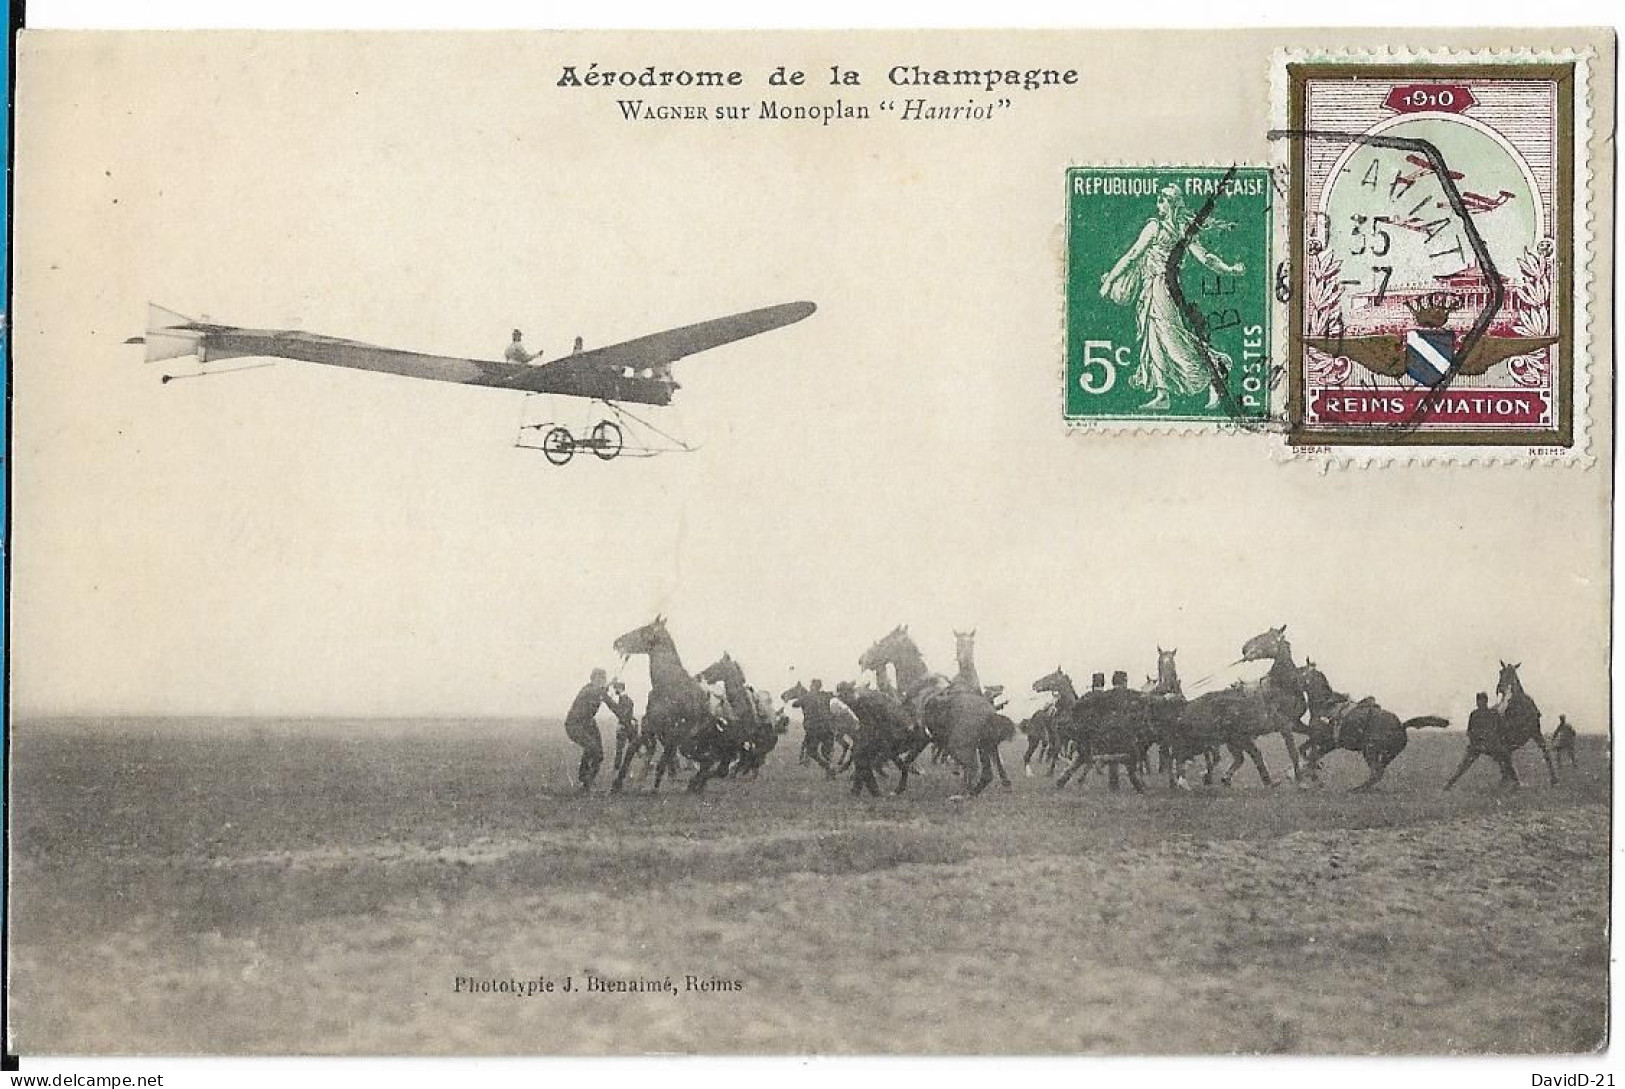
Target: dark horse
[1166,702]
[1235,716]
[1363,726]
[819,733]
[678,715]
[1518,721]
[885,732]
[754,723]
[1109,727]
[1043,728]
[961,718]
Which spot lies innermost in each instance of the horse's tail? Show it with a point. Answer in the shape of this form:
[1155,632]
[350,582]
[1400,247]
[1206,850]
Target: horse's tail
[1425,721]
[1006,728]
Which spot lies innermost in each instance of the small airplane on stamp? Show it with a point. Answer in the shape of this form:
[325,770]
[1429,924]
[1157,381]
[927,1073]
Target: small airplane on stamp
[636,371]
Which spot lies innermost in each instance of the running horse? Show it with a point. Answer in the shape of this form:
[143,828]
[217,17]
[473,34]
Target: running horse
[1519,721]
[961,718]
[969,678]
[818,741]
[1282,686]
[678,715]
[1363,726]
[1042,729]
[753,722]
[1107,727]
[1235,716]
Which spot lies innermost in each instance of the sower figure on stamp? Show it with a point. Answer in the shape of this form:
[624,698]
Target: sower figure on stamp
[581,726]
[1563,740]
[1172,358]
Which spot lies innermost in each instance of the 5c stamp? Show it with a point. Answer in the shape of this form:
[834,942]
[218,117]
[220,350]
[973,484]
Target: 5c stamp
[1168,294]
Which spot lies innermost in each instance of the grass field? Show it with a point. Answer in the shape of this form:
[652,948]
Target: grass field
[192,887]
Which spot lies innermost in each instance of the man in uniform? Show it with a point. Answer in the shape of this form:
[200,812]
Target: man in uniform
[1563,740]
[626,732]
[1117,734]
[818,730]
[581,726]
[1484,739]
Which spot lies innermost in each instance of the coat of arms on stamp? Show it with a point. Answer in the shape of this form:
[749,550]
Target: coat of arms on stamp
[1167,293]
[1432,243]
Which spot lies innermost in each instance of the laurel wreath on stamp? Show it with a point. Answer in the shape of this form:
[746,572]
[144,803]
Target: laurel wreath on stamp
[1325,313]
[1532,313]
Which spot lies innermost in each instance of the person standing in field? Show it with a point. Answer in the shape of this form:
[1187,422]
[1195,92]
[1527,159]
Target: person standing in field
[1484,738]
[581,726]
[1563,740]
[818,727]
[626,729]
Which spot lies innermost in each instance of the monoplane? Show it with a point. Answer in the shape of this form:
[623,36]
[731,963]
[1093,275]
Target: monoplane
[635,371]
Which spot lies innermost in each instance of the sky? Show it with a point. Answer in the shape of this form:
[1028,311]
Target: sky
[299,540]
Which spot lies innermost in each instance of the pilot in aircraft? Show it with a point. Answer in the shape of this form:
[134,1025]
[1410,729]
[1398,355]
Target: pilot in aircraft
[516,350]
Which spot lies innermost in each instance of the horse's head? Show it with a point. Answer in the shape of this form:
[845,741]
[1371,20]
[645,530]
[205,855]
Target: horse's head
[1053,682]
[886,649]
[1266,647]
[1167,671]
[1316,688]
[794,692]
[1508,684]
[643,640]
[724,669]
[964,644]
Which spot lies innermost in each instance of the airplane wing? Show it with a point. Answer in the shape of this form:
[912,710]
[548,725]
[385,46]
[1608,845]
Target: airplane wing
[635,371]
[1384,355]
[1492,350]
[627,366]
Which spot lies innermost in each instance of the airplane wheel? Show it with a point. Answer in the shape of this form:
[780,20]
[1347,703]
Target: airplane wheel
[607,439]
[558,445]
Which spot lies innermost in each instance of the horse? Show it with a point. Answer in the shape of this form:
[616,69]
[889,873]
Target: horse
[1043,736]
[1517,721]
[1364,726]
[678,715]
[1107,727]
[1167,696]
[1282,688]
[968,678]
[961,718]
[965,659]
[1233,717]
[818,734]
[885,732]
[751,712]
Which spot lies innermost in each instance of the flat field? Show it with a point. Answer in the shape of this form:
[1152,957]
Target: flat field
[299,887]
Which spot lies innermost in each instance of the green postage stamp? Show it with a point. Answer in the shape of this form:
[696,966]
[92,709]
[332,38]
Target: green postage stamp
[1168,294]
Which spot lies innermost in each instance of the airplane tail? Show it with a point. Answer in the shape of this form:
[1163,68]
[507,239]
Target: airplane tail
[169,335]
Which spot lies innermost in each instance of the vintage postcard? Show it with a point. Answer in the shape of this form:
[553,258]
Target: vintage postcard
[811,543]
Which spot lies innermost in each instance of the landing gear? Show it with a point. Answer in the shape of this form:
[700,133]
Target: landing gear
[606,441]
[558,445]
[617,434]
